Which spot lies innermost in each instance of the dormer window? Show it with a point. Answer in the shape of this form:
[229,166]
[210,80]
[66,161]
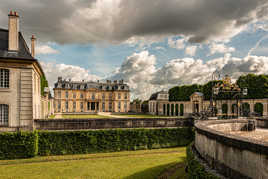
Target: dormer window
[4,78]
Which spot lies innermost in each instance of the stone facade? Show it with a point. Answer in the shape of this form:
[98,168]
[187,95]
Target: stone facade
[72,97]
[20,75]
[197,104]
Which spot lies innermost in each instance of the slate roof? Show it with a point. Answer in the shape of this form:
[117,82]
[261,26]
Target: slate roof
[154,95]
[87,85]
[22,53]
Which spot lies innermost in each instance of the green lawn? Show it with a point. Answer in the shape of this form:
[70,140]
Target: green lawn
[83,116]
[145,116]
[127,164]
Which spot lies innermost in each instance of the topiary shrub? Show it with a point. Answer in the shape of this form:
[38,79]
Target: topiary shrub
[93,141]
[18,145]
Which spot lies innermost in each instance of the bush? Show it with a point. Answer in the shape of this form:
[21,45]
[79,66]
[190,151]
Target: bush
[18,145]
[80,142]
[195,168]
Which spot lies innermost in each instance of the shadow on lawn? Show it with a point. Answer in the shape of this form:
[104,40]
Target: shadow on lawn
[171,170]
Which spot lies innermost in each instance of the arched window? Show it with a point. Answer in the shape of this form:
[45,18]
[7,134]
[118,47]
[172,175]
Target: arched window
[181,109]
[172,109]
[3,115]
[176,109]
[168,107]
[4,78]
[258,108]
[224,108]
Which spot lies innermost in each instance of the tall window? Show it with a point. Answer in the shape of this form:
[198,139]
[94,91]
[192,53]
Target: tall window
[59,106]
[74,106]
[103,107]
[81,106]
[125,95]
[110,96]
[103,96]
[93,96]
[125,106]
[119,95]
[66,94]
[110,106]
[74,95]
[4,78]
[59,94]
[81,95]
[66,106]
[119,106]
[3,114]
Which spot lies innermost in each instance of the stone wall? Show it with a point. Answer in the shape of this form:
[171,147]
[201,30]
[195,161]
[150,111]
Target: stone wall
[78,124]
[262,122]
[231,155]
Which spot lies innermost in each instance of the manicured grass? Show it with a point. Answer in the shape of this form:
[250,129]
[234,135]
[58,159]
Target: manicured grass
[127,164]
[83,116]
[145,116]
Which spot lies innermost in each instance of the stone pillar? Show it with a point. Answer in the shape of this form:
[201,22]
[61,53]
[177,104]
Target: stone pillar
[229,112]
[265,111]
[251,106]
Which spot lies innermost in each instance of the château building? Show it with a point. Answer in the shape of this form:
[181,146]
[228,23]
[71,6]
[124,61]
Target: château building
[72,97]
[20,74]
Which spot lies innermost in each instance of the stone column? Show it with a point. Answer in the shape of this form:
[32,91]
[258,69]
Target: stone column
[229,112]
[251,106]
[265,112]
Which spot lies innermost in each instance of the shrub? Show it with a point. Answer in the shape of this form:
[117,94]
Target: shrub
[80,142]
[195,168]
[18,145]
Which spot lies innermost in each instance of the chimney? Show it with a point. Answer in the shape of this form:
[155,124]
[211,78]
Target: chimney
[13,31]
[33,45]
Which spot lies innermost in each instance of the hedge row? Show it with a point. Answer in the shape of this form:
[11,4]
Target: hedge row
[30,144]
[195,169]
[81,142]
[18,145]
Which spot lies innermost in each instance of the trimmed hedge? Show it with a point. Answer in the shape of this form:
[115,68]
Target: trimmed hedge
[18,145]
[195,168]
[93,141]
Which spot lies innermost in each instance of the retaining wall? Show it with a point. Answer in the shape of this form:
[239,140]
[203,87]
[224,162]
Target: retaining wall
[78,124]
[232,156]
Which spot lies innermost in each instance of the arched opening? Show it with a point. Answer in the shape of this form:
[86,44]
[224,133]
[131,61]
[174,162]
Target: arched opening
[172,109]
[181,109]
[234,109]
[168,107]
[176,109]
[164,109]
[245,109]
[224,108]
[258,108]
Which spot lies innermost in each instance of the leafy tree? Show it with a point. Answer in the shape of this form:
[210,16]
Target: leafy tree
[44,84]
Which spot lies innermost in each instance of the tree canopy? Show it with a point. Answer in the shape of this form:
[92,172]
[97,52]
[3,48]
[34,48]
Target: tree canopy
[257,86]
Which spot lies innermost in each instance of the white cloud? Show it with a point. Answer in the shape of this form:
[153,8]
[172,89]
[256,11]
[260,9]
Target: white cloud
[137,71]
[45,49]
[178,44]
[220,48]
[76,73]
[191,50]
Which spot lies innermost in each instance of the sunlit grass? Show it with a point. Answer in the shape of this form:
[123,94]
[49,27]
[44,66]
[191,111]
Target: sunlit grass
[127,164]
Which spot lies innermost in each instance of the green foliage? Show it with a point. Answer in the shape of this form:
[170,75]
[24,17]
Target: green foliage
[18,145]
[181,109]
[245,109]
[44,84]
[224,108]
[258,108]
[183,93]
[257,86]
[93,141]
[195,168]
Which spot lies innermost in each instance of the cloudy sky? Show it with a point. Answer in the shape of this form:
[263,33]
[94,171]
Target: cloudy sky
[152,44]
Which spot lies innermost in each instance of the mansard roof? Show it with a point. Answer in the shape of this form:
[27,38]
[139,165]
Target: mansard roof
[22,53]
[154,95]
[82,85]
